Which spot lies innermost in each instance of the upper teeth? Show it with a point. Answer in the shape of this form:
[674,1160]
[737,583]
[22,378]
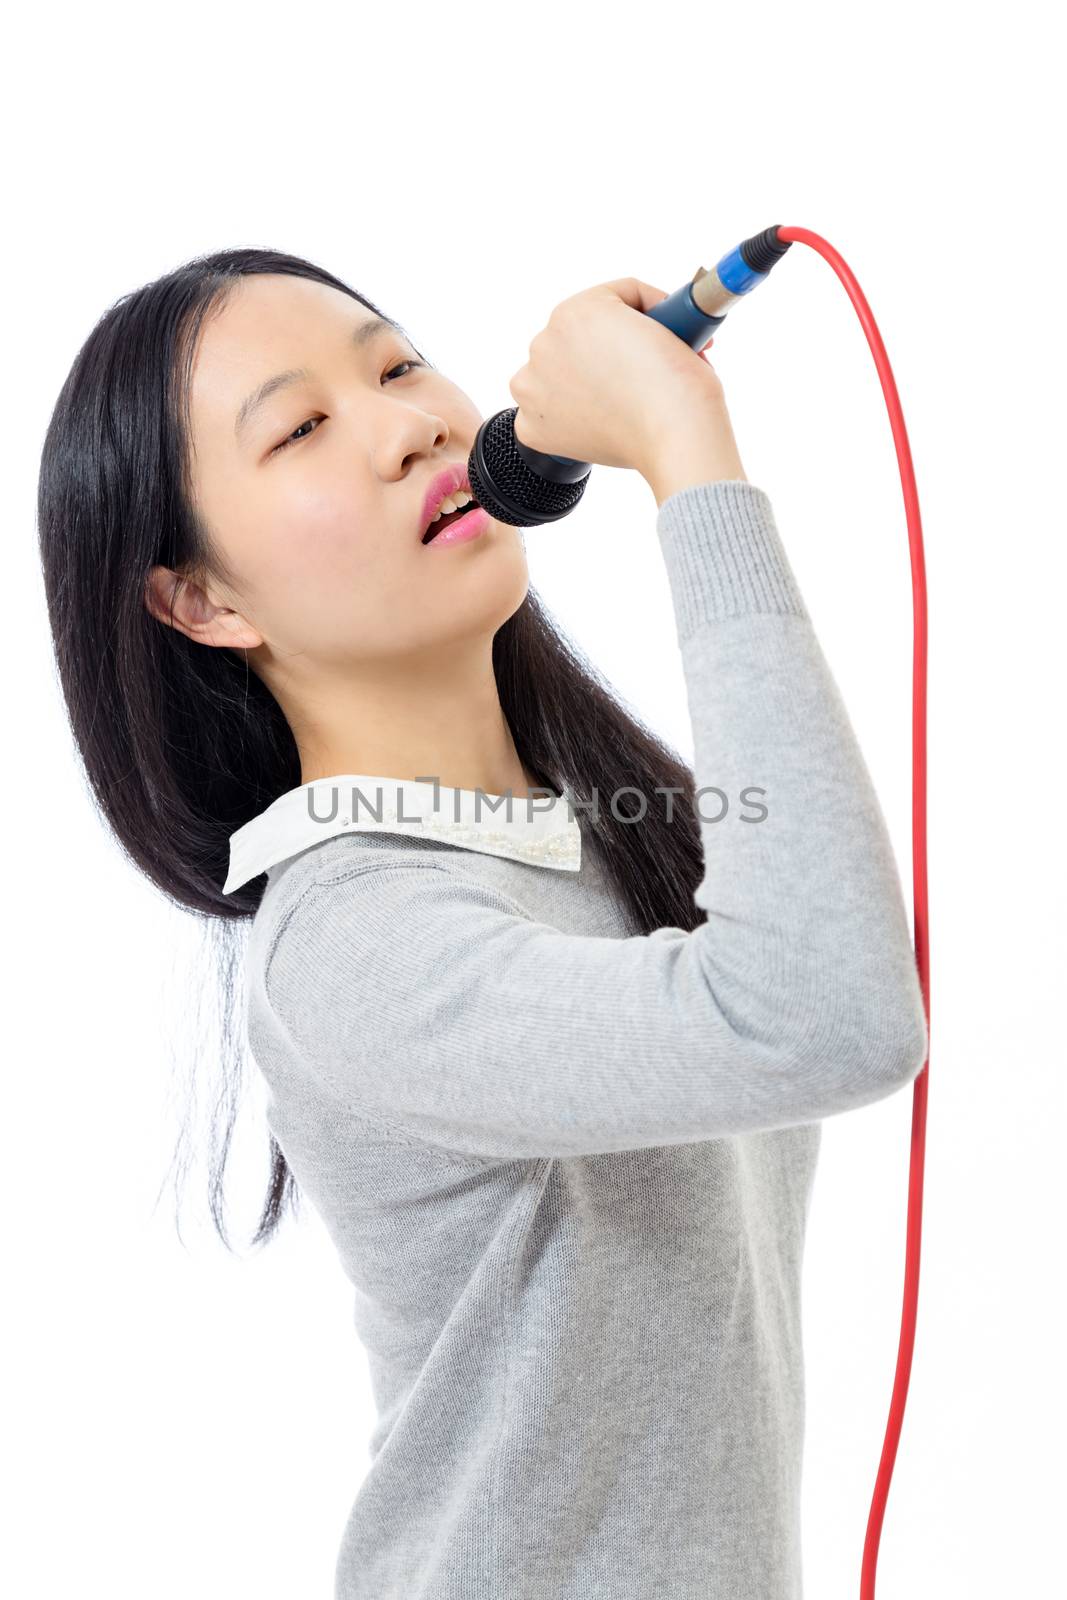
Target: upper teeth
[452,502]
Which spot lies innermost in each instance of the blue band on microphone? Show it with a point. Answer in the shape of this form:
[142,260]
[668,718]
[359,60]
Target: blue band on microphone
[735,273]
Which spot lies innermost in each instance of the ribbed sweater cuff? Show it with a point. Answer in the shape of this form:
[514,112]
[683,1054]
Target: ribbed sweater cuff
[724,554]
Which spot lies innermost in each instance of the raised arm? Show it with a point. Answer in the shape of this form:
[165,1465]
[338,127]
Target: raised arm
[416,993]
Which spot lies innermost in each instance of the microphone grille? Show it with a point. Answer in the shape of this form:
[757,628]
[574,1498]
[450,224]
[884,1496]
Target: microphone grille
[503,483]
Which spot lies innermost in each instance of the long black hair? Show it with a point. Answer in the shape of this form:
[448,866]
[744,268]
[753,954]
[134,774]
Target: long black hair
[181,743]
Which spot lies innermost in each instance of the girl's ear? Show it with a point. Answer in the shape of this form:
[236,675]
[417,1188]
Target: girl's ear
[181,603]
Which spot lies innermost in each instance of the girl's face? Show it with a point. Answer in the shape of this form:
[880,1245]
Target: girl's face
[314,495]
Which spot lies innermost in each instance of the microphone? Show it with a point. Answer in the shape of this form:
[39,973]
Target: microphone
[524,487]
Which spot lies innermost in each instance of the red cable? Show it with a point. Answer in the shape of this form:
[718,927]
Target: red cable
[921,907]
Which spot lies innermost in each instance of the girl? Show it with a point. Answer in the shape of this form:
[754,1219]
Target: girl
[548,1021]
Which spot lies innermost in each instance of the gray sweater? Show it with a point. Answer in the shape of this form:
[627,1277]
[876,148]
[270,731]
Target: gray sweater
[566,1166]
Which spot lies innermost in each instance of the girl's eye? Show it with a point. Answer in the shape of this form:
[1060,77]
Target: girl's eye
[296,435]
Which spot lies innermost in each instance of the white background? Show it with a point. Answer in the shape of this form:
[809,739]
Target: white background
[182,1422]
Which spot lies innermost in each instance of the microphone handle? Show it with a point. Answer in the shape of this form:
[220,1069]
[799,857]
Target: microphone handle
[680,313]
[692,313]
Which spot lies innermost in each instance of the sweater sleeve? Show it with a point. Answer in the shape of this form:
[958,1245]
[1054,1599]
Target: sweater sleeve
[433,1001]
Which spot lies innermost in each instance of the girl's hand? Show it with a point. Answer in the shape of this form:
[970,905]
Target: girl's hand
[607,384]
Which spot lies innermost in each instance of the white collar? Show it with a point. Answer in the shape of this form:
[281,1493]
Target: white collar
[541,830]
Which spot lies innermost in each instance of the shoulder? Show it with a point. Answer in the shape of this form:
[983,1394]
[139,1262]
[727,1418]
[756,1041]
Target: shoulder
[340,908]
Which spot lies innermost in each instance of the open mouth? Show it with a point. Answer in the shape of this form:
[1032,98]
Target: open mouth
[443,522]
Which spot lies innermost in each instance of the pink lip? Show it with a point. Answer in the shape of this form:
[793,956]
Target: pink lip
[444,484]
[463,530]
